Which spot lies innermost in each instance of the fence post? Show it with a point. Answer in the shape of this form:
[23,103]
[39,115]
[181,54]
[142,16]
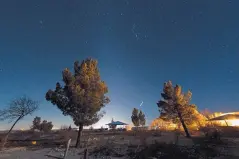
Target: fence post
[67,148]
[86,154]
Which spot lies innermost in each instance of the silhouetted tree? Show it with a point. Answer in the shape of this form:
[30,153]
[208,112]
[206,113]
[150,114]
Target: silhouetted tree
[176,106]
[82,96]
[135,117]
[46,126]
[36,123]
[142,120]
[17,110]
[91,128]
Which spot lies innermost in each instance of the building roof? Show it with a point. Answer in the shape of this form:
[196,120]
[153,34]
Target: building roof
[226,117]
[116,123]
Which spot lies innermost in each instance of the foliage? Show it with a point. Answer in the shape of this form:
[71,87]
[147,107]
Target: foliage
[46,126]
[91,128]
[36,123]
[42,126]
[162,124]
[135,117]
[138,117]
[83,95]
[176,106]
[141,118]
[164,151]
[17,110]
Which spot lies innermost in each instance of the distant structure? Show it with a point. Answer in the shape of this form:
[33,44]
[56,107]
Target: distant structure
[114,124]
[230,119]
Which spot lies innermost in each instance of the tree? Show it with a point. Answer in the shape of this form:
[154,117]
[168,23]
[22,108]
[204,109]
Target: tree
[82,96]
[46,126]
[141,118]
[135,117]
[17,110]
[91,128]
[36,123]
[176,106]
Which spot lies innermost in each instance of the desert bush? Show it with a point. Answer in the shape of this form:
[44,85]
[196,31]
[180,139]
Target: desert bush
[170,151]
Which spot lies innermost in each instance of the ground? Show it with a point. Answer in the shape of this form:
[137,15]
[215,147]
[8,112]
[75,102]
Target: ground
[53,144]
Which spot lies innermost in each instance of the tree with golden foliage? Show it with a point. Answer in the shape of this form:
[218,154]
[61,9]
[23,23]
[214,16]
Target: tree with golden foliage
[175,106]
[82,96]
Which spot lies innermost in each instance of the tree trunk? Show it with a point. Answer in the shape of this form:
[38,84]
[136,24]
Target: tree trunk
[79,136]
[6,137]
[226,122]
[184,125]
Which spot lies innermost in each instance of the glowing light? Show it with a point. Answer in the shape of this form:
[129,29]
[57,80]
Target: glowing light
[233,122]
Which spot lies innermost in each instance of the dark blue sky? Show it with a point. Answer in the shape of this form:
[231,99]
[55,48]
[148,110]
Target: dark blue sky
[139,45]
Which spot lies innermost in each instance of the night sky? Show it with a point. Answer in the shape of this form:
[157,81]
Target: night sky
[140,44]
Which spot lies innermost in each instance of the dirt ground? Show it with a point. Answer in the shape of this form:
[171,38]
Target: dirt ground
[53,145]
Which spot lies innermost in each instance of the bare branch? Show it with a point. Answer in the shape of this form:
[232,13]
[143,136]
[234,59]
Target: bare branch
[19,108]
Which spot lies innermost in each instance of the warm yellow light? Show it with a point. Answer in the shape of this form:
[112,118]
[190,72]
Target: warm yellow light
[234,122]
[34,142]
[128,127]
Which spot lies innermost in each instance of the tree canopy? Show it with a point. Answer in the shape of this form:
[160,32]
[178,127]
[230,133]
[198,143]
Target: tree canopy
[83,94]
[175,105]
[44,126]
[135,117]
[142,120]
[138,117]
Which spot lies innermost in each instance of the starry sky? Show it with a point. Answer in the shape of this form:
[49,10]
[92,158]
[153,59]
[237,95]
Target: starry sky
[139,45]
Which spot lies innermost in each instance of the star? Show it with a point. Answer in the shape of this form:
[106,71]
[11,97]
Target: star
[41,23]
